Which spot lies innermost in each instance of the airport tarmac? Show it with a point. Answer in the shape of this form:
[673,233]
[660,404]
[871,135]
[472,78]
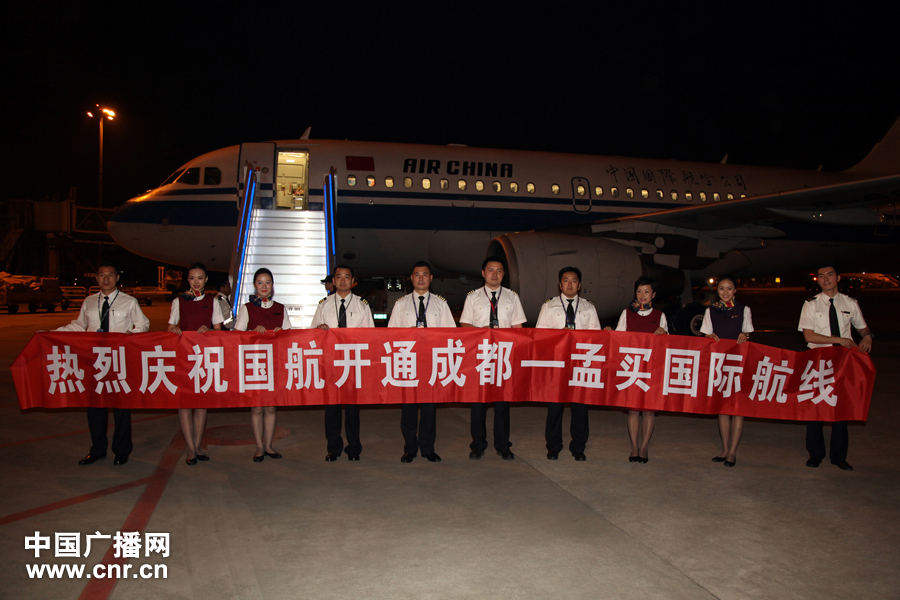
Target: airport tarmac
[679,527]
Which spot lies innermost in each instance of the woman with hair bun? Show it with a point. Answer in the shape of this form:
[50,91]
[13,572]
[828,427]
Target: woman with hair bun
[262,314]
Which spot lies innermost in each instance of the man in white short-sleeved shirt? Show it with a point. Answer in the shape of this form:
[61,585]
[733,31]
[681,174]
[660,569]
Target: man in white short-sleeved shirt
[492,306]
[826,320]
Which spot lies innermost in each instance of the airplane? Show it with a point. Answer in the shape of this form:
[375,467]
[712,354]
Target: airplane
[616,218]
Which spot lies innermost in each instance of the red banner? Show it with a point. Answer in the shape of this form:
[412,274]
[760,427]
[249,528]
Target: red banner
[392,366]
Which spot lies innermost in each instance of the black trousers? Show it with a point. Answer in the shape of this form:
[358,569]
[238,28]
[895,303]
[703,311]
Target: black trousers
[815,441]
[351,428]
[410,422]
[501,426]
[579,428]
[98,423]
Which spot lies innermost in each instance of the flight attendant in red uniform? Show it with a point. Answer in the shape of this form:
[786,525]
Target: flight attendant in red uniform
[194,311]
[262,314]
[728,320]
[641,316]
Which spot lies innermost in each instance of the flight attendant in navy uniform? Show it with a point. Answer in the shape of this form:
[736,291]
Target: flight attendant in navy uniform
[262,314]
[567,311]
[420,309]
[728,320]
[826,320]
[109,310]
[195,310]
[492,306]
[641,316]
[342,309]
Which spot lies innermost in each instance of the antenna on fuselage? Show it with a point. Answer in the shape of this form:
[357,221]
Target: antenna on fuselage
[306,133]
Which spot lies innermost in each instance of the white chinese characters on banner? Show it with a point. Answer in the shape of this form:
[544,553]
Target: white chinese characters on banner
[110,361]
[631,368]
[256,371]
[494,364]
[724,375]
[769,380]
[160,369]
[818,383]
[400,367]
[301,376]
[209,363]
[355,362]
[681,370]
[585,375]
[446,362]
[64,371]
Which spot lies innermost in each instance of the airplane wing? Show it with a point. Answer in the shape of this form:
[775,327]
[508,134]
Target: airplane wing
[841,203]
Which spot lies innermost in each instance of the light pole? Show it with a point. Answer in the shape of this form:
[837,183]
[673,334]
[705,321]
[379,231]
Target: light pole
[108,114]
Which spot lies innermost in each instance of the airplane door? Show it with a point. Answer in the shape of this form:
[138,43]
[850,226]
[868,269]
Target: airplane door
[581,194]
[260,156]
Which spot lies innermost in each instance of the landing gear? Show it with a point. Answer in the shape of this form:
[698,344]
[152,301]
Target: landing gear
[148,301]
[689,319]
[12,308]
[32,307]
[64,305]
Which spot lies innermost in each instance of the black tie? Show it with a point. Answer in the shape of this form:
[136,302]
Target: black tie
[342,315]
[493,307]
[421,318]
[104,315]
[570,314]
[833,321]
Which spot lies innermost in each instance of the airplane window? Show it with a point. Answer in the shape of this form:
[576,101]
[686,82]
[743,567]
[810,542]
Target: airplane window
[351,180]
[629,192]
[743,195]
[614,191]
[702,196]
[445,185]
[388,182]
[514,187]
[462,185]
[529,187]
[598,191]
[426,183]
[172,178]
[660,195]
[730,196]
[370,181]
[407,182]
[645,194]
[190,176]
[479,185]
[716,197]
[688,196]
[212,176]
[497,186]
[554,188]
[580,190]
[674,195]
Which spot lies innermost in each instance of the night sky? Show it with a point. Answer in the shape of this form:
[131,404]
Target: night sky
[794,88]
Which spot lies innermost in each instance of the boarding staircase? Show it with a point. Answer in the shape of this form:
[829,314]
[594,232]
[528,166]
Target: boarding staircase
[292,244]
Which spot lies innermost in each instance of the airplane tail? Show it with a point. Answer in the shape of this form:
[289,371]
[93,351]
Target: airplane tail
[884,159]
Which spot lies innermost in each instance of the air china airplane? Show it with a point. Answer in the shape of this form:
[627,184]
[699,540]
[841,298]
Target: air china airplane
[616,218]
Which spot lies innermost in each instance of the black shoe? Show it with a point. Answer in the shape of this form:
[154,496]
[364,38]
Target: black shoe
[269,454]
[433,457]
[551,455]
[506,454]
[202,457]
[730,463]
[718,459]
[813,463]
[120,460]
[191,461]
[636,459]
[407,457]
[331,457]
[90,458]
[260,458]
[643,459]
[843,465]
[579,456]
[352,457]
[476,454]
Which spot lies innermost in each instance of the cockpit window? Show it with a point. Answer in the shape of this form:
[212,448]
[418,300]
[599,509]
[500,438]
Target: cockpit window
[172,177]
[190,176]
[212,176]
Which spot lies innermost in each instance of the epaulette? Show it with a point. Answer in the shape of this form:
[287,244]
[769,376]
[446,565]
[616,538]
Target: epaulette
[588,301]
[323,299]
[549,300]
[513,292]
[472,292]
[439,296]
[363,300]
[813,299]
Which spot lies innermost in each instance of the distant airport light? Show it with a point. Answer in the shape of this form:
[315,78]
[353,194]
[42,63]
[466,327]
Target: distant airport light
[778,280]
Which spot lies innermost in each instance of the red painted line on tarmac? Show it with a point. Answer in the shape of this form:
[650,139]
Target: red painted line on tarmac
[59,435]
[25,514]
[100,589]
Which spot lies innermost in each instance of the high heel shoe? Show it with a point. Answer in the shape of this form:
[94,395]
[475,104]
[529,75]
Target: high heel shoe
[202,457]
[191,461]
[730,463]
[272,454]
[259,458]
[634,459]
[718,459]
[643,459]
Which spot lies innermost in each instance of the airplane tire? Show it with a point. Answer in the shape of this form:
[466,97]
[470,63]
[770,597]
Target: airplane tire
[12,308]
[50,308]
[32,308]
[689,319]
[148,301]
[64,305]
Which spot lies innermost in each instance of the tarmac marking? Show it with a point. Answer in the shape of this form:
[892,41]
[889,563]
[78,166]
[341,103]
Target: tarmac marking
[58,435]
[25,514]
